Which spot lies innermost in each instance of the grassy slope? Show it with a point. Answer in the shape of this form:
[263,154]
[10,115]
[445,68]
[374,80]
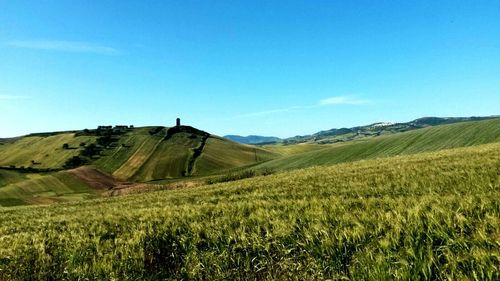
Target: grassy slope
[8,177]
[220,154]
[47,151]
[168,159]
[114,159]
[156,159]
[422,140]
[45,188]
[294,148]
[143,158]
[425,216]
[141,154]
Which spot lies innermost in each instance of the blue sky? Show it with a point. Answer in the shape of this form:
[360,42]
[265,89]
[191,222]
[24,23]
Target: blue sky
[277,68]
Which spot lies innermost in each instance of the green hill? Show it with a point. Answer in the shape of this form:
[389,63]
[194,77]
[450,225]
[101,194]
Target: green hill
[43,189]
[421,140]
[377,129]
[42,151]
[138,154]
[160,154]
[34,169]
[63,186]
[428,216]
[220,154]
[157,158]
[291,149]
[8,177]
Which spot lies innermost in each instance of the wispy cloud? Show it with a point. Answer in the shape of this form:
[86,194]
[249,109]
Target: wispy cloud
[341,100]
[331,101]
[64,46]
[11,97]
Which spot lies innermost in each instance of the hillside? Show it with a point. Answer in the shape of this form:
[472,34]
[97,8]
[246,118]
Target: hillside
[39,168]
[188,152]
[63,186]
[139,154]
[377,129]
[430,216]
[42,152]
[415,141]
[159,155]
[252,139]
[291,149]
[8,177]
[220,155]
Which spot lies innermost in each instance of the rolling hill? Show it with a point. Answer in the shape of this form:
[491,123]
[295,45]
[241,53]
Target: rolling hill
[377,129]
[42,151]
[62,186]
[140,154]
[426,216]
[411,142]
[36,168]
[186,152]
[252,139]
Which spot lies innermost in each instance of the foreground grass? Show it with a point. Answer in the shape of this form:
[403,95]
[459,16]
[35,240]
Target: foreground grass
[427,216]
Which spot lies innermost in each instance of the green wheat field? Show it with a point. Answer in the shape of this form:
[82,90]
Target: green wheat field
[432,215]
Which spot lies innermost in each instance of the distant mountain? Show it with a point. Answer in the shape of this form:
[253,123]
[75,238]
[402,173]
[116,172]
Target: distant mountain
[252,139]
[377,129]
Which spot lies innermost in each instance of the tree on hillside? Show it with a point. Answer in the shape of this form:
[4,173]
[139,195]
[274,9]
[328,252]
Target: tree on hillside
[74,162]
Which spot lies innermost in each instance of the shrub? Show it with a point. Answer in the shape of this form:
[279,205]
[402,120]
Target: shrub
[74,162]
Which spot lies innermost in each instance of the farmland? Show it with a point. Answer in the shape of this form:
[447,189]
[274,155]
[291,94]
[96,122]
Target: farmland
[249,140]
[431,216]
[31,166]
[416,141]
[422,204]
[47,152]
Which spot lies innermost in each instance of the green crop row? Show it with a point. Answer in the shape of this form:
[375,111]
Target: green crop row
[429,216]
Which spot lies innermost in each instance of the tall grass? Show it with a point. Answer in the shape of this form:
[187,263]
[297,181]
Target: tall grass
[429,216]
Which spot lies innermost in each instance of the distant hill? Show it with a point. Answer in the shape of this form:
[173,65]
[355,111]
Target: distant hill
[138,154]
[252,139]
[377,129]
[34,168]
[431,138]
[66,166]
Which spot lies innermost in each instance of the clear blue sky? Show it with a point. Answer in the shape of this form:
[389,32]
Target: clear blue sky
[245,67]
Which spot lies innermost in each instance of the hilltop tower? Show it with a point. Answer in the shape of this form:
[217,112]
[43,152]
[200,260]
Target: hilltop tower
[177,122]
